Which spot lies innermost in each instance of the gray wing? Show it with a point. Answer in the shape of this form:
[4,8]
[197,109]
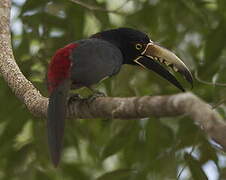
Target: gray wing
[93,60]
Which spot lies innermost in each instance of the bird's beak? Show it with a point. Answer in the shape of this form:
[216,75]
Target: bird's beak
[154,55]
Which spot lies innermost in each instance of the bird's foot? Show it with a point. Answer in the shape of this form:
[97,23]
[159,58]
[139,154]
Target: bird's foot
[95,95]
[73,98]
[98,94]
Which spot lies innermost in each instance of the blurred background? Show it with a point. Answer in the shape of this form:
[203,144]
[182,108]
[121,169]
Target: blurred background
[144,149]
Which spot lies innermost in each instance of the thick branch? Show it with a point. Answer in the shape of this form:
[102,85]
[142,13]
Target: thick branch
[159,106]
[23,88]
[123,108]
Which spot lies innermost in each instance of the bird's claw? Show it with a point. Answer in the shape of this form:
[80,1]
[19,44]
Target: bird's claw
[76,97]
[73,98]
[96,94]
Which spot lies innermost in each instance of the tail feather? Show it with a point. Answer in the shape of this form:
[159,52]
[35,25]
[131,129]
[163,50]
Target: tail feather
[56,120]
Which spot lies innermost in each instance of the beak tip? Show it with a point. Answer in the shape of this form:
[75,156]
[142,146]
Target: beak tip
[182,89]
[188,76]
[190,80]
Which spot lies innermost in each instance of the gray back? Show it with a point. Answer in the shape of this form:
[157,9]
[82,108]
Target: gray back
[93,60]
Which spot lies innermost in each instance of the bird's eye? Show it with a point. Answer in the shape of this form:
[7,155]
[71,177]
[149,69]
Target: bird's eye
[139,46]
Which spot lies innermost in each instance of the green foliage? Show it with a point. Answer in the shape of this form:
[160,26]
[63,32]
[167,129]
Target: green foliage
[195,167]
[115,149]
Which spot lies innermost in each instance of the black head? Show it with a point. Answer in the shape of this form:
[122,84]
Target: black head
[131,42]
[138,49]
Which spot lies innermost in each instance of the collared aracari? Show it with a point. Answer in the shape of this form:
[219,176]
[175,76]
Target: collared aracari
[86,62]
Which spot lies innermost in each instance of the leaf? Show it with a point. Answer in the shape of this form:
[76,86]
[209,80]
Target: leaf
[214,46]
[188,133]
[117,174]
[208,152]
[118,141]
[75,171]
[223,173]
[195,167]
[41,175]
[159,137]
[32,5]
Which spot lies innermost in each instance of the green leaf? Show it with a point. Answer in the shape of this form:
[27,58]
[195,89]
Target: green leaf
[117,142]
[195,167]
[213,49]
[75,171]
[119,174]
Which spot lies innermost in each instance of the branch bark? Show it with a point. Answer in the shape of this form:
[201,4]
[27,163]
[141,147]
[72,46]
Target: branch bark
[159,106]
[23,89]
[124,108]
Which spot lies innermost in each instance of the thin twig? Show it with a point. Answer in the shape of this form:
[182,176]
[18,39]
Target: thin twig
[96,8]
[211,84]
[192,150]
[207,82]
[218,104]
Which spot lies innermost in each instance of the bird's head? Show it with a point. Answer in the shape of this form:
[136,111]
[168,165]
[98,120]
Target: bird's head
[138,49]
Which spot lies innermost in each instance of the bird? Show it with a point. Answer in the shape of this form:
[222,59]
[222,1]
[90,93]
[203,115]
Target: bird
[86,62]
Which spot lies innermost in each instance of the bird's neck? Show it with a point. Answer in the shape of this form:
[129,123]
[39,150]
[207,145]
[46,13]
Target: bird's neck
[114,38]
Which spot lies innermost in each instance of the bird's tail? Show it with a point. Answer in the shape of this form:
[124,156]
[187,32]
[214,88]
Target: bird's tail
[56,120]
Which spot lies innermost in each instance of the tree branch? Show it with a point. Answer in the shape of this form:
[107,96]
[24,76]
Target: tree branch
[207,82]
[159,106]
[23,89]
[107,107]
[96,8]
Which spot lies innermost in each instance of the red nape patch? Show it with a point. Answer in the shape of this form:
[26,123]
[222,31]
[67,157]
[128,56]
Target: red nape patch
[59,67]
